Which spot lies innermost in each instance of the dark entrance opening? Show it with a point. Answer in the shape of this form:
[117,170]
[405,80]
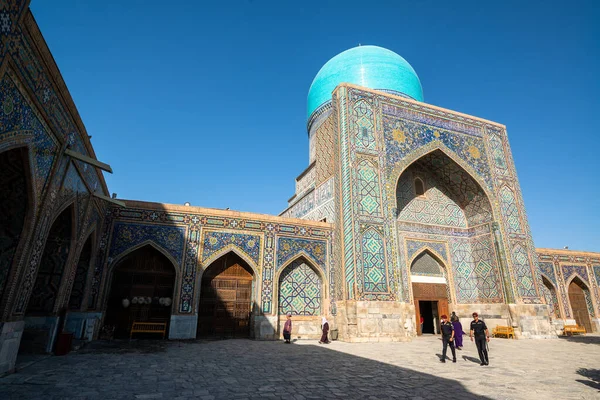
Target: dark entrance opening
[141,291]
[429,311]
[14,202]
[52,265]
[226,299]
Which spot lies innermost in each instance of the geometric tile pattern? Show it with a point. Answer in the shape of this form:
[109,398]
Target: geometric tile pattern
[299,290]
[126,236]
[363,115]
[215,241]
[368,184]
[570,270]
[549,292]
[414,246]
[596,269]
[426,265]
[509,210]
[522,268]
[288,248]
[547,269]
[497,151]
[373,263]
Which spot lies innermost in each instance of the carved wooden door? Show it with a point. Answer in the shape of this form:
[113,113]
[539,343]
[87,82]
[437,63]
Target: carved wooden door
[226,304]
[579,306]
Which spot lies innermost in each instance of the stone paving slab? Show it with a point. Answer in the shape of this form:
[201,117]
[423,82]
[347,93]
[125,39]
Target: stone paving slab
[246,369]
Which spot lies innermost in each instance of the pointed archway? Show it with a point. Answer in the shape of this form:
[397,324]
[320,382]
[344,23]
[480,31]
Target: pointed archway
[59,243]
[549,292]
[226,298]
[578,298]
[141,290]
[76,298]
[430,291]
[300,293]
[15,209]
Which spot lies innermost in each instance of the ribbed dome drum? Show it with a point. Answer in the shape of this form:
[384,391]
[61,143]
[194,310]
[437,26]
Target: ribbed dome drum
[369,66]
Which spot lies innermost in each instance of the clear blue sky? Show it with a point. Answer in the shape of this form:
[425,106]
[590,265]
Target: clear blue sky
[205,101]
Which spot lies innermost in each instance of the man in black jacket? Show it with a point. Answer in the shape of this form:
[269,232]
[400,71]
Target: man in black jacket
[481,333]
[447,338]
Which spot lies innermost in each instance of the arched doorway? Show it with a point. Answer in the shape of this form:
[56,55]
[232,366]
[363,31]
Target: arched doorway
[81,273]
[578,292]
[550,296]
[301,293]
[226,298]
[52,265]
[14,208]
[430,292]
[141,290]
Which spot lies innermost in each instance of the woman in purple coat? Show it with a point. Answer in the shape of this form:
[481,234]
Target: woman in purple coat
[458,331]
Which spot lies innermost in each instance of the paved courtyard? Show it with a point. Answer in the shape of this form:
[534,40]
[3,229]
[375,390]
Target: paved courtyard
[246,369]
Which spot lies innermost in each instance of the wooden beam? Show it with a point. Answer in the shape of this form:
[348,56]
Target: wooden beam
[114,201]
[89,160]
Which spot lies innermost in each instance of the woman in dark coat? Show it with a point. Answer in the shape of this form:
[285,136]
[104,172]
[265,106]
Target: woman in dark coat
[458,331]
[325,327]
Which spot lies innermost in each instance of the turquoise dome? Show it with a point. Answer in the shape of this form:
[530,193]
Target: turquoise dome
[370,66]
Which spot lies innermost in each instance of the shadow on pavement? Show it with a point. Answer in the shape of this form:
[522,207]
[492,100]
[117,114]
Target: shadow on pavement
[225,370]
[582,339]
[472,359]
[593,376]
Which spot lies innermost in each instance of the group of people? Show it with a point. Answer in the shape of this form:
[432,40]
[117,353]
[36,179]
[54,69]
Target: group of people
[287,330]
[452,336]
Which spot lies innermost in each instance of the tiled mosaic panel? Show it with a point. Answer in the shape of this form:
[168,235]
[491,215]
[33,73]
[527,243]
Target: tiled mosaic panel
[288,248]
[510,211]
[522,268]
[368,184]
[426,265]
[364,136]
[415,246]
[570,270]
[215,241]
[299,290]
[374,272]
[497,150]
[127,235]
[19,121]
[325,151]
[547,269]
[403,137]
[436,207]
[476,275]
[596,269]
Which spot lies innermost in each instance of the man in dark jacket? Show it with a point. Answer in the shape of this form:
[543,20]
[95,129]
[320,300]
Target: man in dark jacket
[480,330]
[447,338]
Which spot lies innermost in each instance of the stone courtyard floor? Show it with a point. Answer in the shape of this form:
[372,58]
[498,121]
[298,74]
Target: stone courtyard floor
[246,369]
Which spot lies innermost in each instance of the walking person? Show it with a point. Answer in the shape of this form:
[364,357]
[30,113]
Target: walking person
[480,331]
[325,327]
[421,323]
[447,338]
[458,331]
[287,328]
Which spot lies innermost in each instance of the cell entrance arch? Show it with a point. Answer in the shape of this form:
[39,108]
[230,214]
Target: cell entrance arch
[430,292]
[551,299]
[225,309]
[76,297]
[578,298]
[14,208]
[141,291]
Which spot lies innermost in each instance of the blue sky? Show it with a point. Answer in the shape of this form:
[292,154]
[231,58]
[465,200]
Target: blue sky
[206,101]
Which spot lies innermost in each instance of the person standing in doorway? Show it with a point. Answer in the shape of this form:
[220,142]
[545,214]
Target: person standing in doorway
[458,331]
[421,323]
[325,327]
[447,338]
[287,328]
[480,331]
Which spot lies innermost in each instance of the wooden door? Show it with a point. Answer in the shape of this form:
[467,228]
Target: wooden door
[226,303]
[433,292]
[579,306]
